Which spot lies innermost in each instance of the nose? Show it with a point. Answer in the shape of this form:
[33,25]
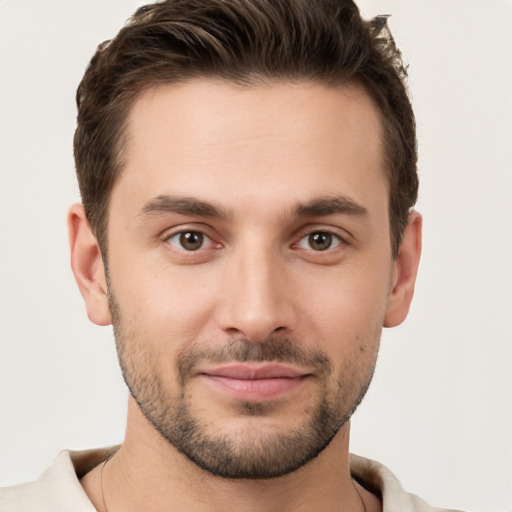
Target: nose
[257,302]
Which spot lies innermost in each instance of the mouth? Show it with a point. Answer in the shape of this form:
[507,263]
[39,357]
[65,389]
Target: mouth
[255,382]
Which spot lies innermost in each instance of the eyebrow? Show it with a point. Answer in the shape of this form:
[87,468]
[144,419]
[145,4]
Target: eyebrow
[182,206]
[331,206]
[191,206]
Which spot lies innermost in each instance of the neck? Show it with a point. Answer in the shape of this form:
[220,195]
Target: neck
[147,473]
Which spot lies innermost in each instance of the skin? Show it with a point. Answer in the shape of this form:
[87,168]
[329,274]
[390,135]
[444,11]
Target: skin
[262,155]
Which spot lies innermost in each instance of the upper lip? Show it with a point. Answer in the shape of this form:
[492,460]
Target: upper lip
[244,371]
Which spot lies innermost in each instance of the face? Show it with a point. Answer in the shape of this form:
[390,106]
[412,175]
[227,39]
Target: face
[250,268]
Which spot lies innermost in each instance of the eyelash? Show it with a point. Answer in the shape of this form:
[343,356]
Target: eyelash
[181,237]
[332,238]
[177,239]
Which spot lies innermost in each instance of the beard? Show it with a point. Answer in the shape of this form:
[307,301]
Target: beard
[250,452]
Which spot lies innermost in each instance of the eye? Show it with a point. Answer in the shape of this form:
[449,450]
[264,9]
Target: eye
[190,240]
[319,241]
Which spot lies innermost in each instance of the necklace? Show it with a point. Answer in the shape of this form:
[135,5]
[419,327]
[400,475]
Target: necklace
[101,480]
[360,497]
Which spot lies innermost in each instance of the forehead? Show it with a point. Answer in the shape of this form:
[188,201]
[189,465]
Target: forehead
[220,141]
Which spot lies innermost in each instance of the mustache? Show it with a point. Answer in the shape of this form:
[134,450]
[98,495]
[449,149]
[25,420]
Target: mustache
[239,350]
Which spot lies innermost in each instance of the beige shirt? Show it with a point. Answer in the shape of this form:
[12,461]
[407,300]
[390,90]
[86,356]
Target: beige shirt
[58,488]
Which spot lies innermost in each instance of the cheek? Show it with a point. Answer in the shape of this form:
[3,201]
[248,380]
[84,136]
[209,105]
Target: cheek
[347,298]
[348,307]
[164,302]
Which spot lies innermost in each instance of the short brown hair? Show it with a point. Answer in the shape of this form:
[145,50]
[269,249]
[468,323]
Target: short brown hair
[247,42]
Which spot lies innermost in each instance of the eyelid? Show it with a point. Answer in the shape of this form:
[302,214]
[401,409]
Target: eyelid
[336,242]
[342,235]
[190,228]
[205,241]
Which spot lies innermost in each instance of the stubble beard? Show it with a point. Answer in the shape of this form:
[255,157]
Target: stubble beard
[250,454]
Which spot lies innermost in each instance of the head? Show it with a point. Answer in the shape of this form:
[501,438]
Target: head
[247,43]
[249,168]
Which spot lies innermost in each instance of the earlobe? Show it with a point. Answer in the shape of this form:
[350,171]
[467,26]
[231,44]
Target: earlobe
[87,266]
[406,269]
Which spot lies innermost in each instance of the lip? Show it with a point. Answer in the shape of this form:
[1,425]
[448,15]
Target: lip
[255,383]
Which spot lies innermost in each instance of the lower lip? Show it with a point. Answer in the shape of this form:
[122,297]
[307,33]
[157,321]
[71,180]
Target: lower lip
[255,390]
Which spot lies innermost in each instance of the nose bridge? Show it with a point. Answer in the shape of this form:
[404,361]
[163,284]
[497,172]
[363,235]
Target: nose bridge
[256,302]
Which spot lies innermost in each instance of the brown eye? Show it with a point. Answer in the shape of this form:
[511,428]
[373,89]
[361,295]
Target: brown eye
[191,240]
[320,241]
[188,240]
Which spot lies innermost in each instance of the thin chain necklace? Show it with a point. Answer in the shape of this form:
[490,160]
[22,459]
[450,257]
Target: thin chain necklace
[111,455]
[360,497]
[101,480]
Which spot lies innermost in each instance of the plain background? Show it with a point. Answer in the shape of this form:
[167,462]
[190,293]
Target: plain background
[439,412]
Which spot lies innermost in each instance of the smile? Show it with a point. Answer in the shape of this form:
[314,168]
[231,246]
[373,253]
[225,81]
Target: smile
[255,383]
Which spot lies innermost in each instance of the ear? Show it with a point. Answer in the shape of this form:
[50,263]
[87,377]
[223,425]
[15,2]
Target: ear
[87,266]
[405,271]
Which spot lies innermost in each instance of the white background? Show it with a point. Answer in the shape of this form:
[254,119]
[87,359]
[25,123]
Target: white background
[439,413]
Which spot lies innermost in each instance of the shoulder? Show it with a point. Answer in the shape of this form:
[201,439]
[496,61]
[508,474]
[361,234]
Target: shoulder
[378,479]
[58,489]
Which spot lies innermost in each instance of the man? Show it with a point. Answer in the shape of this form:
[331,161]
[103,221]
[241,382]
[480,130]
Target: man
[248,173]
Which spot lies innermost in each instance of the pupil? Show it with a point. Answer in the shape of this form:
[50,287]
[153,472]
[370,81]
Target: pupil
[191,240]
[320,241]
